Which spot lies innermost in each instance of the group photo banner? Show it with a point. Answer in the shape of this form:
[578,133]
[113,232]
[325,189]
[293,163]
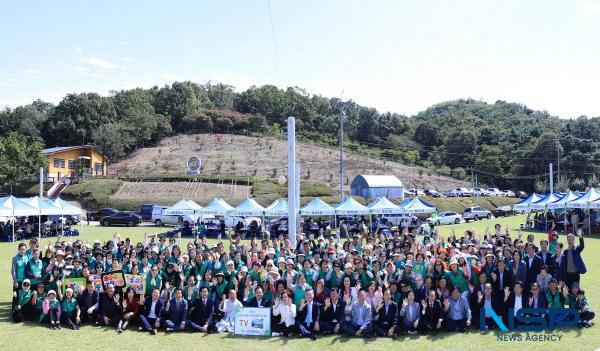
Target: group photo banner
[253,321]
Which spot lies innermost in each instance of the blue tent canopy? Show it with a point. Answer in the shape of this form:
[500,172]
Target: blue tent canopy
[248,207]
[543,203]
[524,204]
[278,208]
[382,205]
[562,202]
[317,207]
[416,205]
[216,207]
[585,200]
[350,207]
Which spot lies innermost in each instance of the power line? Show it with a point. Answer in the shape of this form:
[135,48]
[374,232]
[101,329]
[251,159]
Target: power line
[276,52]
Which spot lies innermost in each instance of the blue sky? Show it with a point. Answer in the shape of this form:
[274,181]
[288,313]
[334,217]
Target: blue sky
[400,56]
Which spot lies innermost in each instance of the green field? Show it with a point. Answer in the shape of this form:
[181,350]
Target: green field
[29,336]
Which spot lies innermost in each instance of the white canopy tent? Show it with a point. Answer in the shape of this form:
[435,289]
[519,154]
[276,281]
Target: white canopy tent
[562,202]
[44,207]
[350,207]
[10,206]
[248,207]
[317,207]
[183,207]
[217,207]
[585,200]
[382,205]
[524,204]
[279,208]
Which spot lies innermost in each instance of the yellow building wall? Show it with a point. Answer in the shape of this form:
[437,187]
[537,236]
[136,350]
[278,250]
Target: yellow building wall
[73,155]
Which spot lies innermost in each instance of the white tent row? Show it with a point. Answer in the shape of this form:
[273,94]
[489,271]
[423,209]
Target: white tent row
[11,206]
[316,207]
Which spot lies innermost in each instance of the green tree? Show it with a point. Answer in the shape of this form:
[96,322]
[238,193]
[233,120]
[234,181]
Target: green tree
[20,158]
[109,141]
[488,161]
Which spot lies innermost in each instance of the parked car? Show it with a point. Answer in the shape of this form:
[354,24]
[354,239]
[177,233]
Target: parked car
[105,212]
[521,194]
[495,192]
[480,192]
[476,213]
[452,193]
[445,218]
[433,193]
[121,218]
[67,219]
[509,193]
[396,218]
[503,211]
[464,192]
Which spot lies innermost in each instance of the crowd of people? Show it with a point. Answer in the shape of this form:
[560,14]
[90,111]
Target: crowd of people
[363,285]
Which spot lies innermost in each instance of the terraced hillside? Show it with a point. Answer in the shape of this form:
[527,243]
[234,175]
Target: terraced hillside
[266,157]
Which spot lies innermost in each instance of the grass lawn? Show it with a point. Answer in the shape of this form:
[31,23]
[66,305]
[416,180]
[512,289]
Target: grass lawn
[29,336]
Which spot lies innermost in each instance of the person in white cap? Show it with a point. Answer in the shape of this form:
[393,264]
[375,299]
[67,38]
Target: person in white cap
[51,310]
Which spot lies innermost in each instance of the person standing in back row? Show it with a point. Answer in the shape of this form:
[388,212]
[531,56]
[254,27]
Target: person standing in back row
[571,263]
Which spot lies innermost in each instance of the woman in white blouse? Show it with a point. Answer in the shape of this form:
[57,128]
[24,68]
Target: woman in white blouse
[287,310]
[229,307]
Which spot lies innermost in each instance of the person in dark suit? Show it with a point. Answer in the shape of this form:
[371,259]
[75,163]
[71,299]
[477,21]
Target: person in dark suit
[501,278]
[257,300]
[571,263]
[536,299]
[88,303]
[109,311]
[474,292]
[386,315]
[176,312]
[485,300]
[332,313]
[202,313]
[431,314]
[307,318]
[533,265]
[153,308]
[515,300]
[548,258]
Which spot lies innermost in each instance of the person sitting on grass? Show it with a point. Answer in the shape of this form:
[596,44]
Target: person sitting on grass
[585,312]
[23,308]
[51,310]
[70,310]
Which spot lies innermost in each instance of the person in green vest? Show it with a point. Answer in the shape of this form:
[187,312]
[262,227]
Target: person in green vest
[334,277]
[37,300]
[309,273]
[23,308]
[153,280]
[556,298]
[457,277]
[19,262]
[51,310]
[70,310]
[35,268]
[221,284]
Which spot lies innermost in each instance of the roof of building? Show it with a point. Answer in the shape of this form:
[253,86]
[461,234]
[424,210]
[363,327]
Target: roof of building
[381,181]
[54,150]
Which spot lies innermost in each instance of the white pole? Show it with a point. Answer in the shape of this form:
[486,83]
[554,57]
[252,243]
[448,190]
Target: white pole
[291,136]
[297,198]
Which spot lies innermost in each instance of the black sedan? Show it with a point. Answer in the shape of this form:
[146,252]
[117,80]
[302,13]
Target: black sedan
[105,212]
[121,218]
[503,211]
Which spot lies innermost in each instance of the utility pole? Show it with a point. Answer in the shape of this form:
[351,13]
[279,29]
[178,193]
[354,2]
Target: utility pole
[558,163]
[551,178]
[342,117]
